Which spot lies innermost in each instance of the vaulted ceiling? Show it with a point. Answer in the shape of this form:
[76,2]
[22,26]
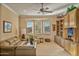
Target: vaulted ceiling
[34,8]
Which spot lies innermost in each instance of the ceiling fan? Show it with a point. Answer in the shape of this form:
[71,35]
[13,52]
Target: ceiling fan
[44,10]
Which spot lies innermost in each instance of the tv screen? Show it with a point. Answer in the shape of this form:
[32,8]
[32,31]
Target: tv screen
[70,32]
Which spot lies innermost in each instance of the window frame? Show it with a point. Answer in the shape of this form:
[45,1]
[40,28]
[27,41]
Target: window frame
[32,27]
[35,27]
[42,27]
[44,32]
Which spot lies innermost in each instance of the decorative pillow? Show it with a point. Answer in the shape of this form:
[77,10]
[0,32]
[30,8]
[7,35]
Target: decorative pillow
[11,41]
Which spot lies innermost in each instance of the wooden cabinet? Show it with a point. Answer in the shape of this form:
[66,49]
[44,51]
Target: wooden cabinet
[66,24]
[71,21]
[67,45]
[72,18]
[59,41]
[78,49]
[73,48]
[66,19]
[65,33]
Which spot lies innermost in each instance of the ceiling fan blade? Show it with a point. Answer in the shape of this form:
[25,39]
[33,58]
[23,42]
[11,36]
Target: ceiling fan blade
[39,12]
[48,11]
[44,10]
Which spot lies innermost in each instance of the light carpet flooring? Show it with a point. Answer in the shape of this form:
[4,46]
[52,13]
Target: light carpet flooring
[50,49]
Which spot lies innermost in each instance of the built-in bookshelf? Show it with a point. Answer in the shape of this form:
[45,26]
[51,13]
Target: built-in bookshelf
[70,20]
[59,24]
[61,27]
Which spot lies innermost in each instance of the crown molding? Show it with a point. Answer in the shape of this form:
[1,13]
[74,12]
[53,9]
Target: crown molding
[9,8]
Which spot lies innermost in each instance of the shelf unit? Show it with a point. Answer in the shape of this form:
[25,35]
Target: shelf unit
[59,32]
[59,26]
[71,20]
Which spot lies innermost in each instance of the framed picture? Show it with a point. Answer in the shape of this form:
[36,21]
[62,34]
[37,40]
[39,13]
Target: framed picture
[7,27]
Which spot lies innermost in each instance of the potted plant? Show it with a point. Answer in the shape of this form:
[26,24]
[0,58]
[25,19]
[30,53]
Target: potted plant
[31,39]
[71,8]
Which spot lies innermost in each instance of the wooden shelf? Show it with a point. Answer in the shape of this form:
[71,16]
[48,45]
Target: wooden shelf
[60,27]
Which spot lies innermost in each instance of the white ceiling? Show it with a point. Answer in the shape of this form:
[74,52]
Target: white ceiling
[33,8]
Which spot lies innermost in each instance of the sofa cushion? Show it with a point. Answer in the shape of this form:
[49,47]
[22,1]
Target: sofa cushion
[5,43]
[15,42]
[11,40]
[21,43]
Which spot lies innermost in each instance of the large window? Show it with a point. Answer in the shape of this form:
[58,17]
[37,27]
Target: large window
[29,26]
[46,26]
[38,27]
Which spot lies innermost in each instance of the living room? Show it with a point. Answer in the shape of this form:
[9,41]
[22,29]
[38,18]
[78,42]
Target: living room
[31,29]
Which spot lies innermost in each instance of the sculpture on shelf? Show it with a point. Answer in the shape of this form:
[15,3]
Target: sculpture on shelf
[23,36]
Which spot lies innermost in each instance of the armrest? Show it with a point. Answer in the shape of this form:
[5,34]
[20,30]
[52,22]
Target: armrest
[7,47]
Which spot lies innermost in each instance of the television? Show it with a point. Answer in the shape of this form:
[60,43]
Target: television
[70,32]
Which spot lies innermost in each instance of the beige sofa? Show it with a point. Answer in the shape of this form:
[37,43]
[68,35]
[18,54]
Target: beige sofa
[14,46]
[25,51]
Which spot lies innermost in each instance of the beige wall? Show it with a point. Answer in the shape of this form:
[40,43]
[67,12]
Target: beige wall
[19,24]
[0,21]
[8,15]
[0,10]
[24,19]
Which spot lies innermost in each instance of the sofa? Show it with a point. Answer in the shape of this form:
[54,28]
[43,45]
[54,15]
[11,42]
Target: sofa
[25,51]
[15,47]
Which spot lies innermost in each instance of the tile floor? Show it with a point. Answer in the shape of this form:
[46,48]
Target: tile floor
[50,49]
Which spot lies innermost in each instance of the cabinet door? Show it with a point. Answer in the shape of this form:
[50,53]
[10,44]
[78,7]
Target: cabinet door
[66,21]
[78,49]
[73,49]
[67,45]
[65,26]
[72,18]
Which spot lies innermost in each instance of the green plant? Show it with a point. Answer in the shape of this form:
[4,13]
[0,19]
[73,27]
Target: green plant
[71,8]
[31,39]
